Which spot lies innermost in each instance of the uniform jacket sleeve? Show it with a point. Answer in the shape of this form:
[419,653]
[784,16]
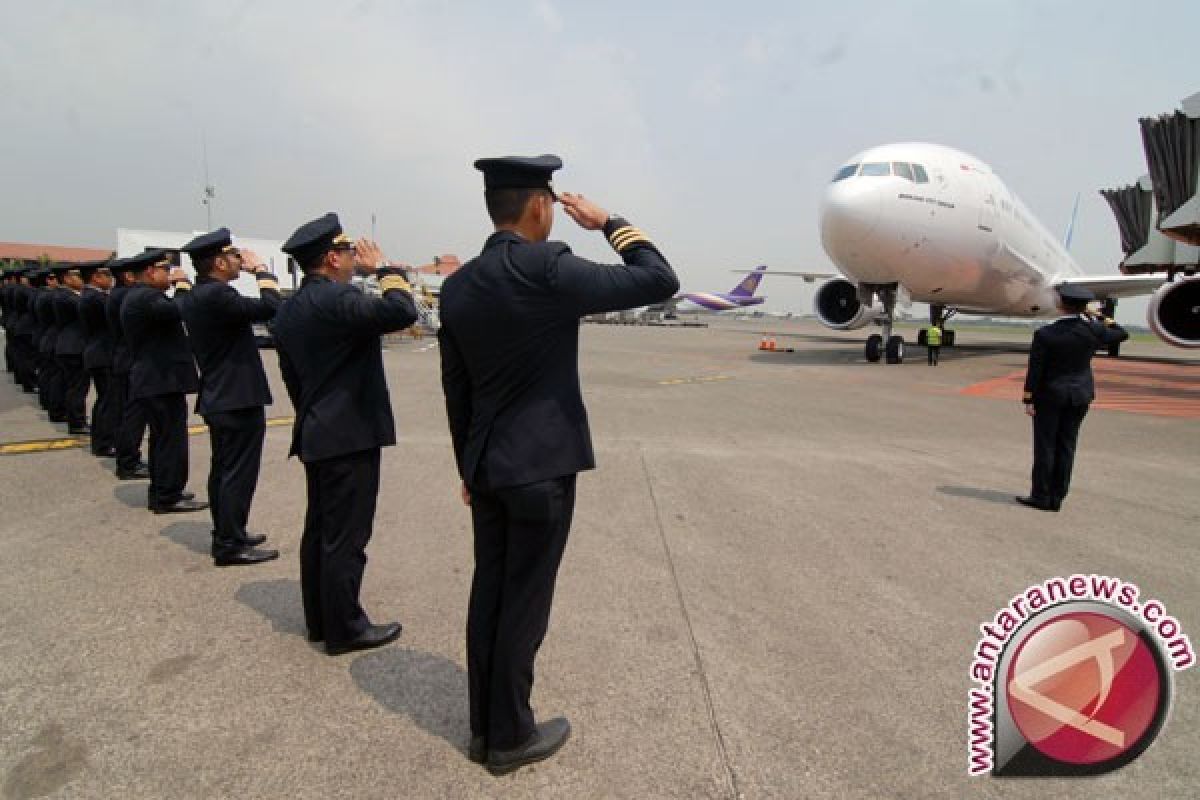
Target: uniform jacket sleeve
[375,316]
[645,276]
[456,385]
[232,305]
[1037,364]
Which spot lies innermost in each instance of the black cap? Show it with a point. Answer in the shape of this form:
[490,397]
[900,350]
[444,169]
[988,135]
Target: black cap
[519,172]
[88,268]
[1076,294]
[208,244]
[118,265]
[146,259]
[312,239]
[61,268]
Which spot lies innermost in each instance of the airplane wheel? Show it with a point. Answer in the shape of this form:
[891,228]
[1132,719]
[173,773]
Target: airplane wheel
[895,349]
[874,347]
[947,338]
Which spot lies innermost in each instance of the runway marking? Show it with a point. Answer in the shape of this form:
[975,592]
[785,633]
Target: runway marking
[696,379]
[1161,390]
[69,442]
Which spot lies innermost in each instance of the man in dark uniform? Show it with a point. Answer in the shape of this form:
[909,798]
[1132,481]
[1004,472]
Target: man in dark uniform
[50,379]
[233,385]
[1058,390]
[509,344]
[7,317]
[328,340]
[23,326]
[161,375]
[97,355]
[68,347]
[130,416]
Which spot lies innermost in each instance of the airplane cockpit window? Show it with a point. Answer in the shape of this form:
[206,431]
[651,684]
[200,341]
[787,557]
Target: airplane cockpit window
[902,170]
[847,171]
[876,168]
[919,174]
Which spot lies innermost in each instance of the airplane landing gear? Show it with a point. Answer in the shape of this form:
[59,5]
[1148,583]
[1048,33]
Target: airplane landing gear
[895,349]
[938,315]
[874,347]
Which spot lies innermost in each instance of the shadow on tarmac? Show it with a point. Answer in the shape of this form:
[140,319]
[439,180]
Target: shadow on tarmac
[278,600]
[990,495]
[195,536]
[428,689]
[131,494]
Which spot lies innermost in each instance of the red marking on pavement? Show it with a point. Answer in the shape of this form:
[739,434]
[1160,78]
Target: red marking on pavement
[1136,387]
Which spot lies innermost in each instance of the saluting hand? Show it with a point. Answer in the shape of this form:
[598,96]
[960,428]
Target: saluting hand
[251,261]
[367,255]
[177,274]
[589,215]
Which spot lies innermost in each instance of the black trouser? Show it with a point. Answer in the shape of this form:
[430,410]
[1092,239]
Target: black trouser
[10,359]
[237,443]
[932,351]
[166,416]
[26,362]
[50,386]
[337,527]
[1055,430]
[520,535]
[131,424]
[106,415]
[75,389]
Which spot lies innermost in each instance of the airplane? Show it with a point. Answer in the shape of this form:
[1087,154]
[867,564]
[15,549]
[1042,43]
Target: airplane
[924,222]
[741,296]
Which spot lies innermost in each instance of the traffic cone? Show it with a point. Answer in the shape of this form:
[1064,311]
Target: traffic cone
[771,343]
[762,345]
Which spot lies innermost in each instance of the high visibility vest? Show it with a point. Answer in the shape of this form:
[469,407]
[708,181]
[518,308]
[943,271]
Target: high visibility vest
[933,336]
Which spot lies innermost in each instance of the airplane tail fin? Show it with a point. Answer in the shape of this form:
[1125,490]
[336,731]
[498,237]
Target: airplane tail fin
[1071,225]
[749,284]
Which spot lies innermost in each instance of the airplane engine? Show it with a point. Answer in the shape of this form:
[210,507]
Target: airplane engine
[1174,312]
[838,307]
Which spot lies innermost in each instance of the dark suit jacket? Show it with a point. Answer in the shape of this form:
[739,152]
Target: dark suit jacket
[47,330]
[25,322]
[121,355]
[161,361]
[327,338]
[97,353]
[1060,360]
[510,349]
[218,322]
[71,339]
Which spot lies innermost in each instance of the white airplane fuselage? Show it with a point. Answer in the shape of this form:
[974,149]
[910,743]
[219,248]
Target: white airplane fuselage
[950,233]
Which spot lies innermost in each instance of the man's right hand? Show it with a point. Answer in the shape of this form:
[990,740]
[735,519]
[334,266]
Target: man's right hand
[589,215]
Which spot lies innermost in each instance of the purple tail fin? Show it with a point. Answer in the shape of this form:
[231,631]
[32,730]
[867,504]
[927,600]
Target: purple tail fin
[749,284]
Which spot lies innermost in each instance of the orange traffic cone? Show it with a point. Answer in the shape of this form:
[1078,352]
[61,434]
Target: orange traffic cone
[762,345]
[771,343]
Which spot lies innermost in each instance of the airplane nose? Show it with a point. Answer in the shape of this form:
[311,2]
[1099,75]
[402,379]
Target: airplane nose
[849,218]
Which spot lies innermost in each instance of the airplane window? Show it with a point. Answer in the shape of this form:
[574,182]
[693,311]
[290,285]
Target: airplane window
[902,170]
[876,168]
[919,174]
[847,171]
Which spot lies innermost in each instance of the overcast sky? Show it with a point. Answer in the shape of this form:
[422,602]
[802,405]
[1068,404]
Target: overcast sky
[714,126]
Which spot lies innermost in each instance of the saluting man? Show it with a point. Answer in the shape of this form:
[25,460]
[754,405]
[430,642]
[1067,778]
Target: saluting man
[129,415]
[97,355]
[68,347]
[233,385]
[510,350]
[50,378]
[1059,388]
[161,375]
[327,338]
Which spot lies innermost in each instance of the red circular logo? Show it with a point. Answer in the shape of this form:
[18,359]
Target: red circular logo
[1084,688]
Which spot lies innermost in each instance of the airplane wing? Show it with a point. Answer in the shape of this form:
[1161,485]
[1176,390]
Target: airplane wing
[809,277]
[1106,286]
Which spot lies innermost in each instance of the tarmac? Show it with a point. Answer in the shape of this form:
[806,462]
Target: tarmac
[773,588]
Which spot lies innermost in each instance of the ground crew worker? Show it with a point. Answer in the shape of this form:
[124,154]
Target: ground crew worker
[933,344]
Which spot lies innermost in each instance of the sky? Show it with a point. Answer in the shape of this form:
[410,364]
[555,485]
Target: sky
[714,127]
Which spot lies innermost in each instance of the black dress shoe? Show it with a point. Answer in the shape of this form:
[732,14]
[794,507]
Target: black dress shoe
[180,506]
[1033,502]
[138,474]
[244,557]
[545,742]
[315,637]
[477,750]
[253,539]
[105,452]
[373,636]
